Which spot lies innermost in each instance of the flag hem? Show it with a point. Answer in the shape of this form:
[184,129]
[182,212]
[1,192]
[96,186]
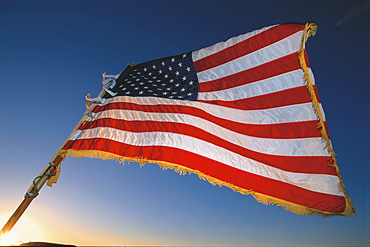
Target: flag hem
[310,30]
[182,170]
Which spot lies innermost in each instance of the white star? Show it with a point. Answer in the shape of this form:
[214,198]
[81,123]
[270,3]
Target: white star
[190,93]
[191,82]
[188,69]
[145,69]
[150,73]
[184,55]
[153,66]
[136,88]
[163,63]
[165,76]
[164,93]
[180,64]
[177,84]
[128,92]
[141,92]
[173,59]
[177,73]
[170,68]
[184,78]
[183,89]
[171,80]
[160,71]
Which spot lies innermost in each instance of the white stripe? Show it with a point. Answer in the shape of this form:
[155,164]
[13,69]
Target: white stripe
[285,147]
[311,76]
[270,85]
[274,51]
[285,114]
[314,182]
[207,51]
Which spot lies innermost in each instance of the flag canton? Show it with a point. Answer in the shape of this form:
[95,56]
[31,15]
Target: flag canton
[171,77]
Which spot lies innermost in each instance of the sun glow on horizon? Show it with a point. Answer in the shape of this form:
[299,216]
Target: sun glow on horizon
[23,232]
[9,238]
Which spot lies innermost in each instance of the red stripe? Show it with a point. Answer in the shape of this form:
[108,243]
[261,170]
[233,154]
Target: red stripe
[292,96]
[247,46]
[242,179]
[280,131]
[308,164]
[273,68]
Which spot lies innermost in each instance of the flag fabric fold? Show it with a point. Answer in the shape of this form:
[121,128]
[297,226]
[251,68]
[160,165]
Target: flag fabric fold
[244,113]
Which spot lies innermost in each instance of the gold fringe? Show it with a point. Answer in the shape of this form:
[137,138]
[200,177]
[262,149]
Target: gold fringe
[182,170]
[310,30]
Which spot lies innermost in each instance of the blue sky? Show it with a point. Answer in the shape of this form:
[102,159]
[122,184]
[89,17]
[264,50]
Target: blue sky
[52,53]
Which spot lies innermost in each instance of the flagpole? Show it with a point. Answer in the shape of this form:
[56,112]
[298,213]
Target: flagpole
[50,170]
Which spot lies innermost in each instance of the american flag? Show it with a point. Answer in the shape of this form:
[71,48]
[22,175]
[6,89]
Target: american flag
[239,113]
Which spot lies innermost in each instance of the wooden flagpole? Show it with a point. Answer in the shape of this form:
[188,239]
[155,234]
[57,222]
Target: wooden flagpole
[49,171]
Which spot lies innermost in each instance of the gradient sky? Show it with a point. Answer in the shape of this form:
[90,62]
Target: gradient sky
[52,53]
